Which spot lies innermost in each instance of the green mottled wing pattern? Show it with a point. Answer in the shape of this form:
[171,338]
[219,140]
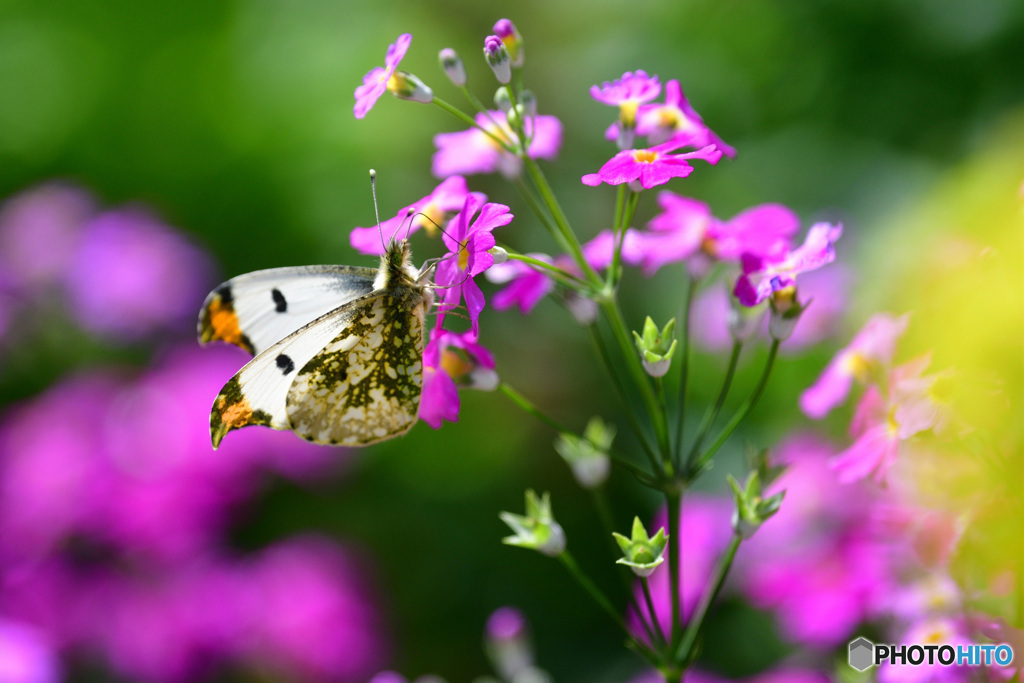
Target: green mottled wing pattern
[364,386]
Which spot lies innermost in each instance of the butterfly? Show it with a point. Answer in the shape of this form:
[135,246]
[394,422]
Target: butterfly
[337,350]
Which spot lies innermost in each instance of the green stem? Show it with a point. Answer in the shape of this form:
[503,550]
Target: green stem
[651,611]
[604,513]
[674,500]
[713,411]
[567,279]
[684,363]
[697,620]
[627,405]
[574,248]
[530,408]
[619,236]
[543,215]
[747,406]
[466,118]
[599,597]
[642,382]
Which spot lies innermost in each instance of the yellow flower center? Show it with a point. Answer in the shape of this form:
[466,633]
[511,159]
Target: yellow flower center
[669,117]
[502,132]
[857,366]
[627,113]
[463,256]
[432,216]
[454,364]
[393,83]
[645,156]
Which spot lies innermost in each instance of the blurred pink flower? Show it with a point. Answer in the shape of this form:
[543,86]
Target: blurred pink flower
[133,275]
[676,117]
[632,88]
[376,81]
[26,655]
[765,274]
[473,151]
[451,360]
[526,285]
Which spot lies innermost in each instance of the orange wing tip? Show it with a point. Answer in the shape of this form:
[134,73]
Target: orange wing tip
[219,321]
[232,410]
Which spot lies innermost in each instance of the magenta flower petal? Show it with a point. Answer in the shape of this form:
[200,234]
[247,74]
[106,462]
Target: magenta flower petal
[830,389]
[677,118]
[376,81]
[652,167]
[872,454]
[632,87]
[473,151]
[526,285]
[763,275]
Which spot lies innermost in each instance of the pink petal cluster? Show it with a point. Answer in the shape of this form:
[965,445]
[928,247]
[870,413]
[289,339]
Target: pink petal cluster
[450,360]
[376,81]
[430,213]
[651,167]
[872,347]
[764,274]
[473,151]
[632,89]
[677,117]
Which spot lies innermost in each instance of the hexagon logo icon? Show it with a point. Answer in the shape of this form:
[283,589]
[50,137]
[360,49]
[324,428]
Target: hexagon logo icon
[862,654]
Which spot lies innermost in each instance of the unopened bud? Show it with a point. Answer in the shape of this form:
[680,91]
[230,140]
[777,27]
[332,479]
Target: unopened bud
[502,99]
[786,310]
[509,35]
[453,67]
[406,86]
[498,59]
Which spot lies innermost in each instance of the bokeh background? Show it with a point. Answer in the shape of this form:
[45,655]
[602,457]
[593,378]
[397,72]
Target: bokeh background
[228,126]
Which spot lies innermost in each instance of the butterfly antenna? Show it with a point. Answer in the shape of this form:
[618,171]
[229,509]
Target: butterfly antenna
[376,212]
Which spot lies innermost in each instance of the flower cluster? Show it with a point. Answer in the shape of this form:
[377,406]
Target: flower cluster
[115,514]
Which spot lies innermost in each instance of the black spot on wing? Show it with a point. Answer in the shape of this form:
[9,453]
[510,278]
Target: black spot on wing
[226,297]
[286,364]
[280,304]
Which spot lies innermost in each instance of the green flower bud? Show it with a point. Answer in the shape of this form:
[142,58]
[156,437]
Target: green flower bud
[588,456]
[641,553]
[656,347]
[406,86]
[786,311]
[751,510]
[502,99]
[538,530]
[453,67]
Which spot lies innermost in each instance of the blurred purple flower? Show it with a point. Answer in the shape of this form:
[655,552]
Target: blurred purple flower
[26,655]
[765,274]
[39,233]
[931,631]
[469,241]
[473,151]
[650,167]
[430,213]
[632,89]
[676,117]
[133,275]
[509,34]
[871,349]
[377,80]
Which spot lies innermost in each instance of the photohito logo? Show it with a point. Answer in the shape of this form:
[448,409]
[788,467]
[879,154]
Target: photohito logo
[863,654]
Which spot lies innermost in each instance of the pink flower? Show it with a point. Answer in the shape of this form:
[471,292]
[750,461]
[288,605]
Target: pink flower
[427,213]
[378,79]
[651,167]
[930,631]
[765,274]
[26,654]
[526,285]
[469,241]
[632,89]
[450,360]
[873,346]
[676,117]
[473,151]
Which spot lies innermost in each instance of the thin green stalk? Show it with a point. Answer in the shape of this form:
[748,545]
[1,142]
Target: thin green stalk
[566,278]
[642,382]
[530,408]
[619,237]
[674,500]
[627,405]
[713,411]
[684,364]
[466,118]
[543,215]
[548,196]
[747,406]
[651,611]
[599,597]
[697,620]
[604,513]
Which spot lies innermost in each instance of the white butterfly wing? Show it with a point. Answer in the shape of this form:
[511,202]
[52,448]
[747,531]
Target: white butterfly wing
[256,310]
[257,394]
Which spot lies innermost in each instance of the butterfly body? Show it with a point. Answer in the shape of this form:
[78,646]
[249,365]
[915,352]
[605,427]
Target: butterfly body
[338,350]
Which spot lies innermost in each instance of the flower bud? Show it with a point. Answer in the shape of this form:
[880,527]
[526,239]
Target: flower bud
[751,510]
[641,553]
[583,308]
[656,347]
[406,86]
[509,35]
[507,642]
[588,456]
[528,101]
[453,67]
[743,321]
[538,530]
[499,255]
[502,99]
[498,59]
[786,310]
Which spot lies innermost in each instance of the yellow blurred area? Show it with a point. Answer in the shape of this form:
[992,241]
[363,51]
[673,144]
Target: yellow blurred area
[955,260]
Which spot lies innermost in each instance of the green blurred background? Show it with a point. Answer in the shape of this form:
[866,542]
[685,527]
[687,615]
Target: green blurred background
[233,120]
